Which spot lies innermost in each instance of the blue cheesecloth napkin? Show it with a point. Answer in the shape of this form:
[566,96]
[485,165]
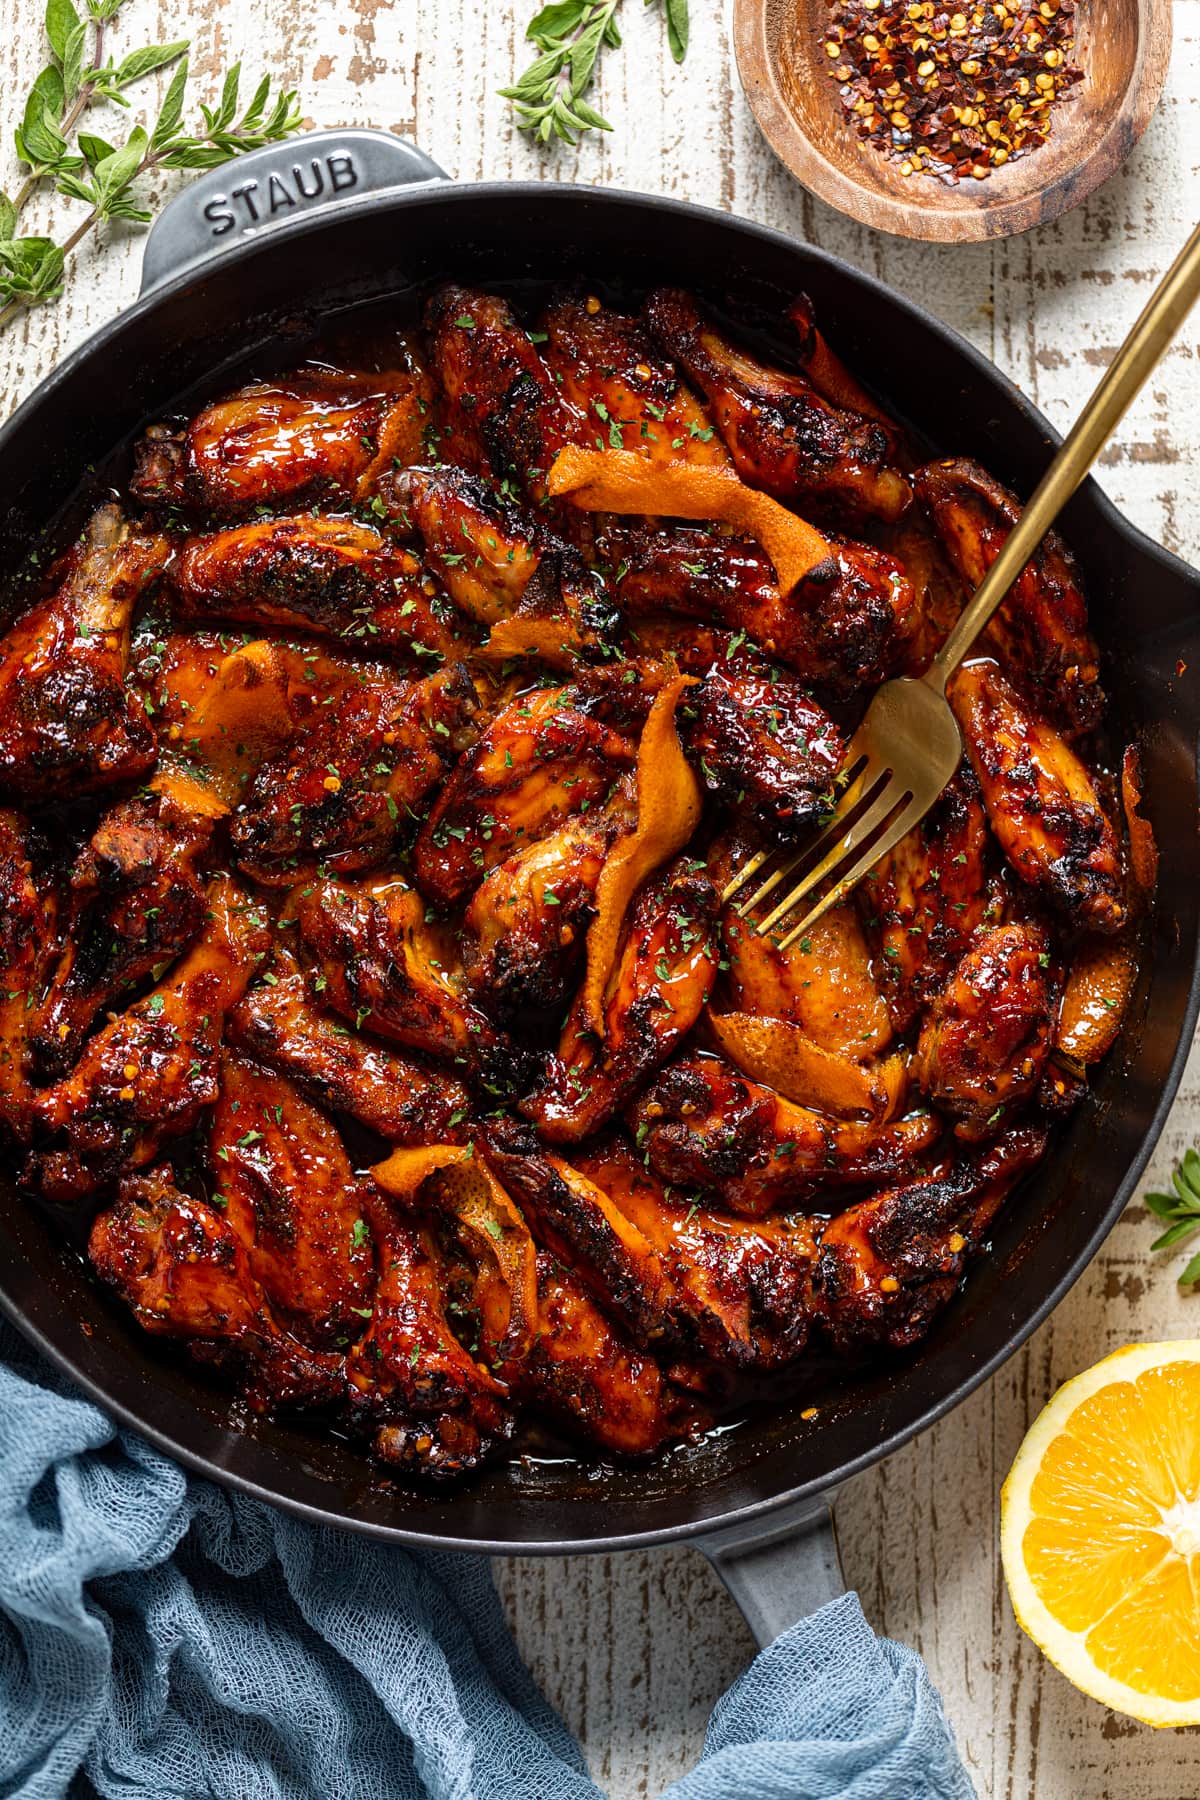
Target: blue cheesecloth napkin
[161,1637]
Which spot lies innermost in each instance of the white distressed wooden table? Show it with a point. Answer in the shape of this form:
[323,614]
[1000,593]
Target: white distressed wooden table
[634,1649]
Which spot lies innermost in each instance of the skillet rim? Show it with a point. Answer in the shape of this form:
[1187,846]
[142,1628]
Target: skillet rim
[439,193]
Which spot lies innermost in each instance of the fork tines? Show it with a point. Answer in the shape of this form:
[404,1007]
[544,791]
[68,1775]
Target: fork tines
[874,813]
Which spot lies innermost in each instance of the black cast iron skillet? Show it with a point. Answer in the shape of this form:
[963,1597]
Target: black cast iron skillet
[254,256]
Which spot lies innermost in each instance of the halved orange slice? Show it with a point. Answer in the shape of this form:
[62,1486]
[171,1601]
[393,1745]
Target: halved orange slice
[1100,1532]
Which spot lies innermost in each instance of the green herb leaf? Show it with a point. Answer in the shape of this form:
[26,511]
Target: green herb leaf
[95,149]
[1180,1210]
[171,111]
[677,27]
[61,21]
[548,98]
[140,63]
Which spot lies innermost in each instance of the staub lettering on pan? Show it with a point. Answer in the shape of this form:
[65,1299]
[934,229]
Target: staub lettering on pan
[254,202]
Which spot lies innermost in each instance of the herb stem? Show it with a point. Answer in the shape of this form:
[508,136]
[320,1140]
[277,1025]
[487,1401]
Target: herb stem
[67,124]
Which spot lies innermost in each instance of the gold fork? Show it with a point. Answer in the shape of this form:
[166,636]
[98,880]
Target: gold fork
[908,745]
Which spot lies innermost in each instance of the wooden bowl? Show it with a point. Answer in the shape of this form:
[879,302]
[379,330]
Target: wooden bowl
[1122,46]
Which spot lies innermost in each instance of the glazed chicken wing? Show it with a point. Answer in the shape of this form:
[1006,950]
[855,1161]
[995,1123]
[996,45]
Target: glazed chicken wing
[341,793]
[504,414]
[1041,633]
[663,974]
[761,741]
[180,1265]
[330,575]
[28,939]
[318,432]
[283,1180]
[474,538]
[615,378]
[591,1378]
[529,917]
[540,761]
[531,587]
[924,900]
[705,1127]
[1041,801]
[889,1264]
[68,722]
[136,900]
[280,1024]
[984,1045]
[782,435]
[698,1282]
[386,968]
[147,1075]
[848,624]
[432,1406]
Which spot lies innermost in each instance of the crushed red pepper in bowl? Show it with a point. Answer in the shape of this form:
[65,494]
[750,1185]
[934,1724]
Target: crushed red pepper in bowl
[947,92]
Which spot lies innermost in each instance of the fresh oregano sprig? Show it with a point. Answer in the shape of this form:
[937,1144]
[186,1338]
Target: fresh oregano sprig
[1181,1210]
[53,146]
[548,99]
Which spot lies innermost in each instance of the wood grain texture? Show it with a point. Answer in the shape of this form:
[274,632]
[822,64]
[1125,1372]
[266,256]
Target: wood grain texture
[1122,50]
[634,1649]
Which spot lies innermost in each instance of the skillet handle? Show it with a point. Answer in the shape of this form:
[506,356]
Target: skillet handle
[779,1569]
[267,188]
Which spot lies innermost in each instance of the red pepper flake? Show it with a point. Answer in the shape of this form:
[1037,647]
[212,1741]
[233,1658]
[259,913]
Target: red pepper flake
[948,92]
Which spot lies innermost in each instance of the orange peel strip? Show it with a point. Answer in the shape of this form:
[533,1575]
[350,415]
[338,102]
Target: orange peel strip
[1143,851]
[553,641]
[491,1225]
[1096,998]
[669,804]
[245,719]
[781,1056]
[620,481]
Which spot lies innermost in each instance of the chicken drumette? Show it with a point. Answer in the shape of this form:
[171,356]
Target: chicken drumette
[69,723]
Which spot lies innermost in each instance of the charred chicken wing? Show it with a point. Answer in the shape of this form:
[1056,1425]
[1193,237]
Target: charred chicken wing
[539,762]
[330,575]
[663,974]
[283,1180]
[342,792]
[848,624]
[319,433]
[780,432]
[384,966]
[68,722]
[890,1263]
[147,1075]
[1042,803]
[280,1024]
[924,901]
[136,900]
[705,1127]
[504,414]
[186,1272]
[1041,633]
[529,917]
[615,378]
[985,1042]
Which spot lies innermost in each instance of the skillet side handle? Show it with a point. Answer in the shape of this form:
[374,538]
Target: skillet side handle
[779,1569]
[266,188]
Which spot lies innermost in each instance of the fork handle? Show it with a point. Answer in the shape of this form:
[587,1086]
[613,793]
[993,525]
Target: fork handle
[1161,318]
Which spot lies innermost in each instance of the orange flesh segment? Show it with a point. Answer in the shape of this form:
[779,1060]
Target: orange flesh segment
[1109,1547]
